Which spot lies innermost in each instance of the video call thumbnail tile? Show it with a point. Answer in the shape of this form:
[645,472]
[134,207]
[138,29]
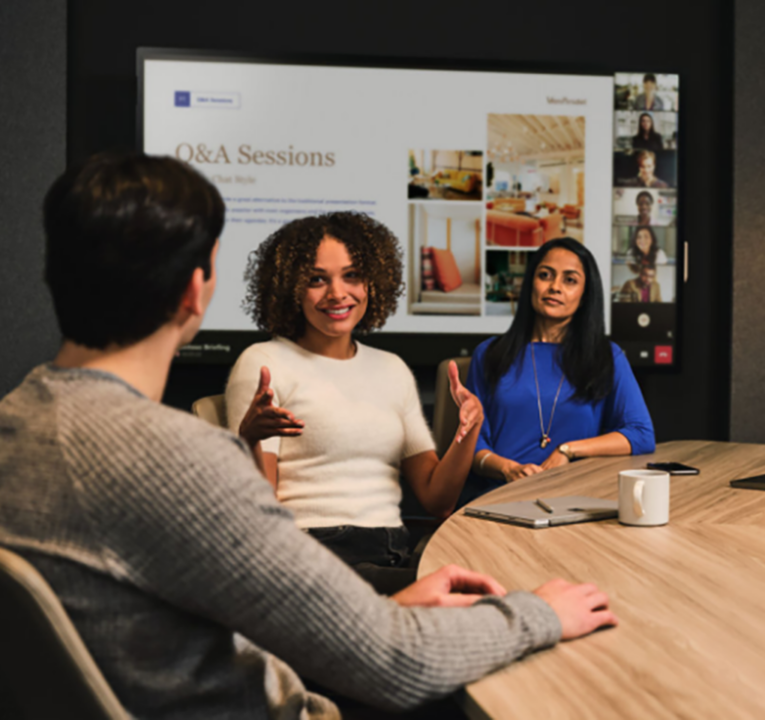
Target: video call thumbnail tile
[642,206]
[645,169]
[646,91]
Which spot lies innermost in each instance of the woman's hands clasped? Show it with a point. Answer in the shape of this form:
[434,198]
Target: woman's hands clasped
[515,471]
[263,419]
[512,471]
[555,459]
[471,410]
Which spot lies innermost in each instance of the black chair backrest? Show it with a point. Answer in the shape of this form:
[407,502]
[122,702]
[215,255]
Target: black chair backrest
[44,664]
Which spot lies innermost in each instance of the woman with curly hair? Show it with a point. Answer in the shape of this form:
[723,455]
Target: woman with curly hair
[333,422]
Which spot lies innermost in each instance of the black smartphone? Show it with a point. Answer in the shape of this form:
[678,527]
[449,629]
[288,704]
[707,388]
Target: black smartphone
[753,483]
[673,468]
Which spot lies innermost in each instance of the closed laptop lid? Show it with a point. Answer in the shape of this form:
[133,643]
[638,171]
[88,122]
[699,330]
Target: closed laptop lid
[566,511]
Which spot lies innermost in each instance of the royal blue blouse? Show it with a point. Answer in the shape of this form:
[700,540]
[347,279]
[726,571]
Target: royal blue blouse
[511,426]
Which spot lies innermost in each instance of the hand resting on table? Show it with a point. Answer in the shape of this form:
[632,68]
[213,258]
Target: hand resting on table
[580,608]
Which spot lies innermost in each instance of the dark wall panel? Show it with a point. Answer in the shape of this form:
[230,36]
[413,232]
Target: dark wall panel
[33,152]
[591,35]
[748,346]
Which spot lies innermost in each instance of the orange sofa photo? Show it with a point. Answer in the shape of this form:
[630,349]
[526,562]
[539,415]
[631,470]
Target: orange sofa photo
[461,180]
[511,230]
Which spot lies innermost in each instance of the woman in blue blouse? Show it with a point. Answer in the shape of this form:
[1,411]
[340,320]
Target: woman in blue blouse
[553,388]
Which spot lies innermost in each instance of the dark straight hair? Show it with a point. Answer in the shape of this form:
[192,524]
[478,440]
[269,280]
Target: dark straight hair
[584,354]
[652,133]
[124,234]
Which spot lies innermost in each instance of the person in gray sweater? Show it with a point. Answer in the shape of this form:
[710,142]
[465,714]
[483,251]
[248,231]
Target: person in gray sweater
[158,531]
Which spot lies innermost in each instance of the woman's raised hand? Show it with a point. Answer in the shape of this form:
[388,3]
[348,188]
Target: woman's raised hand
[263,419]
[471,410]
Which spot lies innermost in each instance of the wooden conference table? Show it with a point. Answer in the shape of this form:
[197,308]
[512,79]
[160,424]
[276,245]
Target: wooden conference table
[690,595]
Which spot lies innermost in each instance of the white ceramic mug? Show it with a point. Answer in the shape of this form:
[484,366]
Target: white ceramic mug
[643,497]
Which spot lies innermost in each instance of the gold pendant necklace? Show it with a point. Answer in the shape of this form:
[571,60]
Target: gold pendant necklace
[546,439]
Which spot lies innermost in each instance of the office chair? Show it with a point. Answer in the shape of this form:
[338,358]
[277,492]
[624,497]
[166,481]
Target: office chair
[212,409]
[43,660]
[445,412]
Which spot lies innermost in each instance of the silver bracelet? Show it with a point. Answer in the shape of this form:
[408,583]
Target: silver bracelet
[482,461]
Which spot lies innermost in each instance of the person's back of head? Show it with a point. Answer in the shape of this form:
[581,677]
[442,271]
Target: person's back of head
[124,233]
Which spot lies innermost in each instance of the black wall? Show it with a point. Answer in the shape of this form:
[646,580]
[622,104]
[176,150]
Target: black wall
[590,35]
[32,154]
[748,342]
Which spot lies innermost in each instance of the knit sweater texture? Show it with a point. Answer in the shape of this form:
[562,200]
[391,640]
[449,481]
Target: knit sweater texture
[162,541]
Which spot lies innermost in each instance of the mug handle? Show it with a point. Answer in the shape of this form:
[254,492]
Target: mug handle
[637,498]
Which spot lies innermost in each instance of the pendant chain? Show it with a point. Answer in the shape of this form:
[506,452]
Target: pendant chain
[545,441]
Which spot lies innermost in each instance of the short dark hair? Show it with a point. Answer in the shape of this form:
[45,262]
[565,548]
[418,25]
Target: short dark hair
[644,194]
[278,271]
[584,354]
[124,234]
[649,77]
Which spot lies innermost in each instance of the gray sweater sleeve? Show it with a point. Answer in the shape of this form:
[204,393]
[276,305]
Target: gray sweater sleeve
[182,513]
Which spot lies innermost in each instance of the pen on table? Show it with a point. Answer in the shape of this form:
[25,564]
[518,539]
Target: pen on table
[544,505]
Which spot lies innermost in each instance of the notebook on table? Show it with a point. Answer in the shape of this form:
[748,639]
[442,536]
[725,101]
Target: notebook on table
[565,511]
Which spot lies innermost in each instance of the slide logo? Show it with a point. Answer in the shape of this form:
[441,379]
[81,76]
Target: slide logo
[198,99]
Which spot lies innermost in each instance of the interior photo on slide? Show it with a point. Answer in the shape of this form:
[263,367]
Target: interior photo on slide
[444,259]
[445,175]
[536,179]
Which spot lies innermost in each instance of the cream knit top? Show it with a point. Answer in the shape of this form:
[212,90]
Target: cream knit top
[362,417]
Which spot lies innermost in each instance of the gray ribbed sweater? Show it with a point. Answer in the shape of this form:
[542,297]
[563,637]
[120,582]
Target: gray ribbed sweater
[161,538]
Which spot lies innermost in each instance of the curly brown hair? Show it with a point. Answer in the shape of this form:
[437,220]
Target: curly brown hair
[278,270]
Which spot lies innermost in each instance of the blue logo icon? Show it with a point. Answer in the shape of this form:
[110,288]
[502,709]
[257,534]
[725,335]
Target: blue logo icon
[182,98]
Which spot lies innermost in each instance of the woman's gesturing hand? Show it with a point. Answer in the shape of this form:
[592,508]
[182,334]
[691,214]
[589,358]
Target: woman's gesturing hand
[263,419]
[471,410]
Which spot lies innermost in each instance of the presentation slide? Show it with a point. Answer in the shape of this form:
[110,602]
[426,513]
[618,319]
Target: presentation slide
[484,166]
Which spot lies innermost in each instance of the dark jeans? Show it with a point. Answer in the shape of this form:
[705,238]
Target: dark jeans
[380,555]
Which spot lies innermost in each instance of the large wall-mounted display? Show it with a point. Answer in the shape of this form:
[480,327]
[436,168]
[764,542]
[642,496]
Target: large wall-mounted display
[471,169]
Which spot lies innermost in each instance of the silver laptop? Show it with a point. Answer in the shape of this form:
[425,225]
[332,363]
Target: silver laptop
[565,511]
